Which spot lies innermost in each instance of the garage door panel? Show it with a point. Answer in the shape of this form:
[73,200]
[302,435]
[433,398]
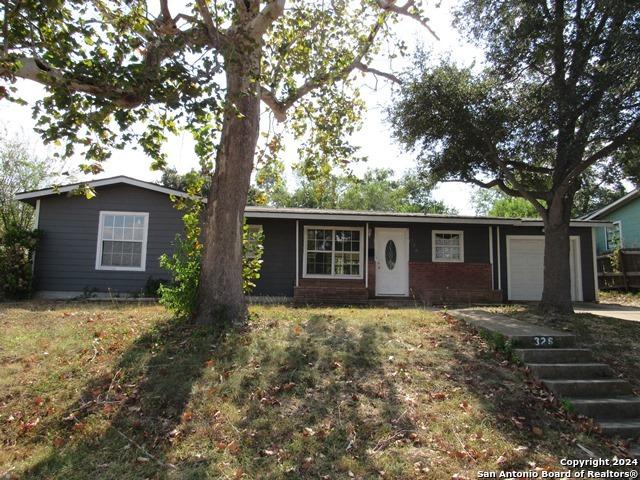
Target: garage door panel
[526,268]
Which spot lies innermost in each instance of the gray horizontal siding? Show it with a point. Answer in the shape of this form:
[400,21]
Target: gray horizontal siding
[278,272]
[66,258]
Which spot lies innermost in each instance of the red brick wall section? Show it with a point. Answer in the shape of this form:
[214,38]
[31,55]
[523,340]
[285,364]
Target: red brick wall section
[435,282]
[338,291]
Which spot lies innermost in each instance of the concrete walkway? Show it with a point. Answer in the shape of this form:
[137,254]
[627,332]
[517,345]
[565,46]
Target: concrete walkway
[518,332]
[613,310]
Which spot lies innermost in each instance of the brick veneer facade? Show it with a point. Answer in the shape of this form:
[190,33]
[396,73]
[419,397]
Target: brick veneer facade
[436,283]
[432,283]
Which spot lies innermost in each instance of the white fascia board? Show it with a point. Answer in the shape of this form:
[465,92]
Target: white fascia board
[101,183]
[373,218]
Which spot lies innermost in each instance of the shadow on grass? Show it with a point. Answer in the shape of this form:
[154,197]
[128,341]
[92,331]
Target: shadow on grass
[311,375]
[126,416]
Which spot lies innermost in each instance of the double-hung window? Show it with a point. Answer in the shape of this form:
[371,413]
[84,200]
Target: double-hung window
[448,246]
[333,252]
[122,241]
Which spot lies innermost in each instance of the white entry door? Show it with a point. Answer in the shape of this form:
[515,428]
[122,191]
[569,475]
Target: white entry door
[525,267]
[392,261]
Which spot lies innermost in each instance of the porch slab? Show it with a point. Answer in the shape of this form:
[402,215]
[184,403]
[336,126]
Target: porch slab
[507,326]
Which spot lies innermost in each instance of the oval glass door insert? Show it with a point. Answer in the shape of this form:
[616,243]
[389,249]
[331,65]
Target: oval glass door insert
[390,254]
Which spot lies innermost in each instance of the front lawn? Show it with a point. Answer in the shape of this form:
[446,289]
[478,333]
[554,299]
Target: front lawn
[122,392]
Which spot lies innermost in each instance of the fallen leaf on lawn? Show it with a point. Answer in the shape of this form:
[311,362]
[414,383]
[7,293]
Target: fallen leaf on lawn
[501,460]
[142,459]
[233,447]
[335,365]
[520,449]
[186,416]
[58,442]
[297,330]
[537,431]
[210,363]
[288,386]
[239,473]
[268,453]
[38,400]
[308,432]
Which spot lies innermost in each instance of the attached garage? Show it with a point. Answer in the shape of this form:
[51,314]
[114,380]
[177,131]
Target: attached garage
[525,267]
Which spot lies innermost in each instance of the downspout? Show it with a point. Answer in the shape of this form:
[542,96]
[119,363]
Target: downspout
[36,222]
[297,253]
[595,264]
[366,255]
[493,286]
[499,266]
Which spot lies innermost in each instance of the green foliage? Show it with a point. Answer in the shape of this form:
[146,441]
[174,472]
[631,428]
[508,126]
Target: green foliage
[556,97]
[493,203]
[181,294]
[17,247]
[377,190]
[21,169]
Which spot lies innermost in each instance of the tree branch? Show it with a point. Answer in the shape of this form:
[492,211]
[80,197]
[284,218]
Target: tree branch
[367,69]
[615,144]
[215,36]
[261,23]
[406,10]
[34,69]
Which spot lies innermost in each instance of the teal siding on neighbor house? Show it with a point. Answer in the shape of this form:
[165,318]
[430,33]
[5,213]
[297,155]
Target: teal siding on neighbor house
[629,218]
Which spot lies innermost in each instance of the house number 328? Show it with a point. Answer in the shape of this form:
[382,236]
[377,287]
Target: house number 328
[543,341]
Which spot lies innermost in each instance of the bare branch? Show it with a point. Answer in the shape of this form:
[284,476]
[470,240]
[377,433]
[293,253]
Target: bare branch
[389,76]
[164,10]
[278,108]
[261,23]
[407,10]
[216,38]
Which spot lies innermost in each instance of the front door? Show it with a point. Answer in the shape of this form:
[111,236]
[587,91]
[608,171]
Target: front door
[392,261]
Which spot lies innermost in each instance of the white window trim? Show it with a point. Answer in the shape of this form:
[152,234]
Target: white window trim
[333,256]
[433,246]
[606,235]
[143,253]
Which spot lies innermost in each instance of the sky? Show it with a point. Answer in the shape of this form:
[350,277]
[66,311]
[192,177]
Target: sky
[374,139]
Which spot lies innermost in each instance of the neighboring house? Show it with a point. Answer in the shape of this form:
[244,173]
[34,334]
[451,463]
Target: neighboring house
[624,230]
[111,243]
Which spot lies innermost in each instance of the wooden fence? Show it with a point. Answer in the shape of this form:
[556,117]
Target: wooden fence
[621,273]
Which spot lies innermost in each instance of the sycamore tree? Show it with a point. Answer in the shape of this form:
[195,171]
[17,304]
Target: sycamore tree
[110,66]
[559,93]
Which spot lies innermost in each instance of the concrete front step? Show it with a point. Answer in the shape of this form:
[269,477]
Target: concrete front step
[570,371]
[607,408]
[542,342]
[555,355]
[589,388]
[621,427]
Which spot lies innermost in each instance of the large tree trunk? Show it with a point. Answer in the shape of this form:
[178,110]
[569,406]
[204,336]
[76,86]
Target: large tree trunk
[220,296]
[556,294]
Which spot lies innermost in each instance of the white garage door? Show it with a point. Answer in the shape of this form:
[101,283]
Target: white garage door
[525,268]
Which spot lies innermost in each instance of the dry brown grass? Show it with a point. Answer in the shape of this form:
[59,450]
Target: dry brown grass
[123,392]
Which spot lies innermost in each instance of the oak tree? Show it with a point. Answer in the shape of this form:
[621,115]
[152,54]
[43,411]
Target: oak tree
[559,93]
[110,66]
